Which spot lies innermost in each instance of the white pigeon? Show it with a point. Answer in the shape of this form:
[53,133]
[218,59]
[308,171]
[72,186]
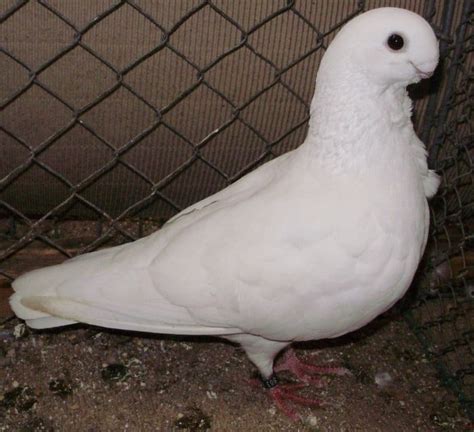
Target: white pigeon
[311,245]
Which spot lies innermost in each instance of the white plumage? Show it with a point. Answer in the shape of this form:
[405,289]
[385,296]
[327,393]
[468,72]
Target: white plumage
[311,245]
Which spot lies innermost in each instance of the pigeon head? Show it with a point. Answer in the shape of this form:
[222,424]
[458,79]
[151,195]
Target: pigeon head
[388,46]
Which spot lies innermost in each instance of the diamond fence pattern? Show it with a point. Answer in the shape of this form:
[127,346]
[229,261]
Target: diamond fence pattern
[443,315]
[125,112]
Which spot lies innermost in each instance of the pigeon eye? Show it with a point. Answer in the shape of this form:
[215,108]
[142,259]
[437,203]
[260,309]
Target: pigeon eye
[395,42]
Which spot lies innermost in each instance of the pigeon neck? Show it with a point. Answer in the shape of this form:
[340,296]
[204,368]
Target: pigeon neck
[352,119]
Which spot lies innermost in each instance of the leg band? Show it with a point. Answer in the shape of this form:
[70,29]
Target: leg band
[270,382]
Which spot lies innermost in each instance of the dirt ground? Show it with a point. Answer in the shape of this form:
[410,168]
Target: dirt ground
[92,379]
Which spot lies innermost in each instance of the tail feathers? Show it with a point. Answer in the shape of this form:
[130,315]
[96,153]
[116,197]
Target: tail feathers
[48,322]
[34,317]
[23,311]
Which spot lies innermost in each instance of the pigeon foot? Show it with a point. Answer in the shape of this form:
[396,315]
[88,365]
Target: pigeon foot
[284,393]
[307,372]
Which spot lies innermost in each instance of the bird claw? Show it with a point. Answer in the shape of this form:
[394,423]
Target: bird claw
[285,392]
[306,371]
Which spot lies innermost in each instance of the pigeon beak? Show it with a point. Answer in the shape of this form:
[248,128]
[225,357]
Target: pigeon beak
[426,72]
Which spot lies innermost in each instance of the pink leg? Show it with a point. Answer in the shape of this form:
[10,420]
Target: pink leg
[306,371]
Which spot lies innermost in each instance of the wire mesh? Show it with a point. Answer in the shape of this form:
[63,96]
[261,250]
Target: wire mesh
[125,112]
[443,315]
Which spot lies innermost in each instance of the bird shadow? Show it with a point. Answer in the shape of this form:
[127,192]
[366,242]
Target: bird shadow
[91,331]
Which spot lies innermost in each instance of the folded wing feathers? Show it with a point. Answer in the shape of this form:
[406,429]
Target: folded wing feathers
[98,291]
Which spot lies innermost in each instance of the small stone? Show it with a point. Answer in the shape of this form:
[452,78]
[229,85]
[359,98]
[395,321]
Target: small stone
[186,346]
[312,420]
[211,395]
[383,379]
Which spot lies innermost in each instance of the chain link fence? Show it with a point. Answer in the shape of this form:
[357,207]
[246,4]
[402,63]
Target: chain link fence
[115,115]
